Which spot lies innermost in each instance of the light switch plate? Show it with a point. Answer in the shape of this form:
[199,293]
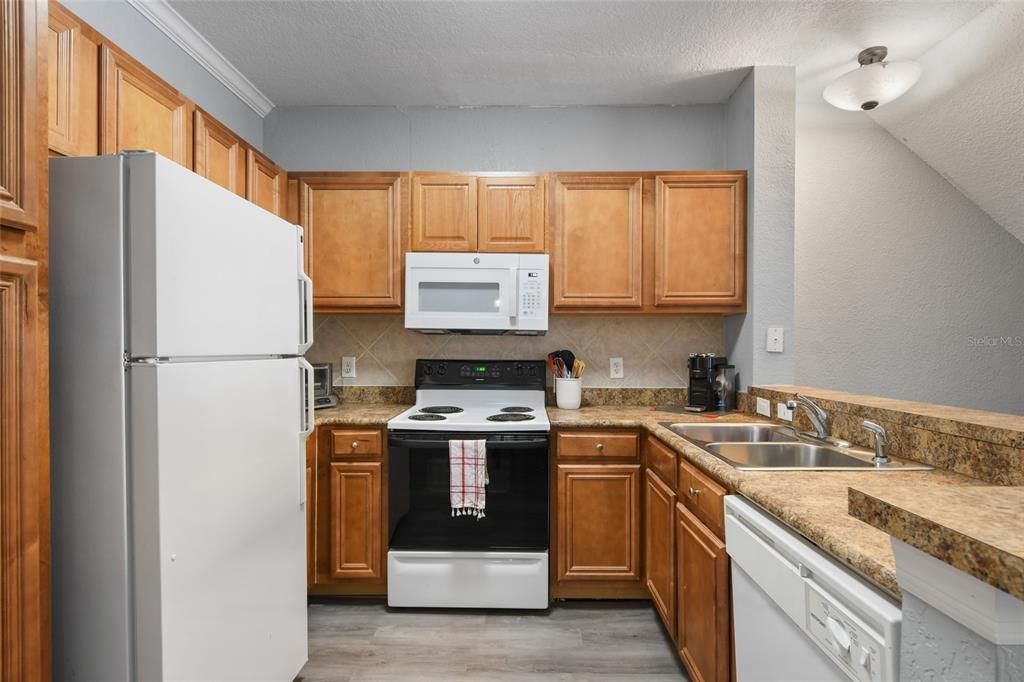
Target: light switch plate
[764,407]
[615,368]
[784,412]
[348,367]
[774,341]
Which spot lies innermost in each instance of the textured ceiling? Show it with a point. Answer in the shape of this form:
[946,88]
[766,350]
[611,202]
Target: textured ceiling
[548,53]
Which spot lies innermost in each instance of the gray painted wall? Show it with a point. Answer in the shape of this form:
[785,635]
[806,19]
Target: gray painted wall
[496,138]
[904,287]
[761,137]
[132,32]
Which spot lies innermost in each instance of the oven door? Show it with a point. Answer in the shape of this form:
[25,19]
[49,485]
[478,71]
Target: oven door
[461,292]
[419,510]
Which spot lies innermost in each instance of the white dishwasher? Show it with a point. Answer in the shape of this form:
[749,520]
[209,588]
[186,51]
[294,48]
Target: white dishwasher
[798,615]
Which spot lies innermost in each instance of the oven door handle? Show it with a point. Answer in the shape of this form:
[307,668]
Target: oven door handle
[443,442]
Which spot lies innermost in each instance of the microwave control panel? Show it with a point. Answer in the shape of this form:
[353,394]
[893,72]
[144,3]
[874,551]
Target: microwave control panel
[533,293]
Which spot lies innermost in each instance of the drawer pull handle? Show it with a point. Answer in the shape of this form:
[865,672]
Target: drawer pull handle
[600,446]
[693,491]
[355,444]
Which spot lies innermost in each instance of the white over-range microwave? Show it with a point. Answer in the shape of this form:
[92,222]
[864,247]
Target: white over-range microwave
[476,293]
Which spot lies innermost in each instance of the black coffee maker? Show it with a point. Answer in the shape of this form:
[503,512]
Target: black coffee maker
[703,369]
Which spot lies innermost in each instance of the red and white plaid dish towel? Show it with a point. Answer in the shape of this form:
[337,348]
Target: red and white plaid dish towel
[467,463]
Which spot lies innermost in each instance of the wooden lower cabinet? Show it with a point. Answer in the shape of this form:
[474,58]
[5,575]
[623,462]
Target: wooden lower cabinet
[660,548]
[704,634]
[349,535]
[598,526]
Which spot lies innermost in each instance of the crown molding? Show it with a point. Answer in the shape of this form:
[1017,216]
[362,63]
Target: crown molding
[177,28]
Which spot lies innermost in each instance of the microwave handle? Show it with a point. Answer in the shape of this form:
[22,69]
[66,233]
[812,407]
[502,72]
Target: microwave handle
[514,298]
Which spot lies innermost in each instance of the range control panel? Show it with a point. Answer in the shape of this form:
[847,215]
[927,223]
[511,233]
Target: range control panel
[493,374]
[847,640]
[533,293]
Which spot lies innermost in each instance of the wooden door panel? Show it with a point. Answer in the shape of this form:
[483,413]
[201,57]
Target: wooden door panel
[598,522]
[219,154]
[444,213]
[265,183]
[700,240]
[23,641]
[73,92]
[511,214]
[355,520]
[597,250]
[704,634]
[23,49]
[353,229]
[659,548]
[140,111]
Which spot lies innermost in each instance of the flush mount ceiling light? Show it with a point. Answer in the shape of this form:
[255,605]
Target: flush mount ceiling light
[875,83]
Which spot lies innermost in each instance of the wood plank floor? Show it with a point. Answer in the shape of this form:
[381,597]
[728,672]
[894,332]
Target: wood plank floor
[353,640]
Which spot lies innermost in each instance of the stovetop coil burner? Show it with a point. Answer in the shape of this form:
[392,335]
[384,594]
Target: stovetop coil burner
[510,417]
[441,409]
[426,417]
[516,408]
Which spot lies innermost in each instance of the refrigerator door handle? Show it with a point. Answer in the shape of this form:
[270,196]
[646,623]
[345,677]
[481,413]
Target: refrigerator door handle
[306,294]
[306,383]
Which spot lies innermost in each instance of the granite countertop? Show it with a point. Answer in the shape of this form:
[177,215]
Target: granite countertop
[979,529]
[813,503]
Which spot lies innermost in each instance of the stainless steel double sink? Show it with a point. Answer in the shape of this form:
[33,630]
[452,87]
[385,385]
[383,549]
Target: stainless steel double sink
[751,447]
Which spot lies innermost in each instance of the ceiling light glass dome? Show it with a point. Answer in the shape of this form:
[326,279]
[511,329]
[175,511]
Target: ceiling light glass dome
[875,83]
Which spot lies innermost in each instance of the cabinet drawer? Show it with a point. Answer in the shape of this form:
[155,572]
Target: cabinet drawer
[351,443]
[597,444]
[704,497]
[661,459]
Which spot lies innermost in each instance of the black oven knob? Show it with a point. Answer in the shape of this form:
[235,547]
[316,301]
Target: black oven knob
[442,369]
[519,370]
[428,369]
[533,371]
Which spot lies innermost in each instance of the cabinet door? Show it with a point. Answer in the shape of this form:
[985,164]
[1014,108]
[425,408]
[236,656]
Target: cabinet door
[140,111]
[73,99]
[353,240]
[598,522]
[443,213]
[310,511]
[265,183]
[700,240]
[511,214]
[23,126]
[659,549]
[355,520]
[219,154]
[702,575]
[597,250]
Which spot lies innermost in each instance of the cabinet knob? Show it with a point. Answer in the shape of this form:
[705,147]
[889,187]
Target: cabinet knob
[693,491]
[355,444]
[600,446]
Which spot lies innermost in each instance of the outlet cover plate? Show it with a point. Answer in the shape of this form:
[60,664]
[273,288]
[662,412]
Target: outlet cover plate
[784,412]
[615,368]
[774,340]
[348,367]
[764,407]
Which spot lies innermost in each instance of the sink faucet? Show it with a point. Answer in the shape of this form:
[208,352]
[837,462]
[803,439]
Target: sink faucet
[881,441]
[819,420]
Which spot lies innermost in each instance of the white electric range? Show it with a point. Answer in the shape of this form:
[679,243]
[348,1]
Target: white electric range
[439,560]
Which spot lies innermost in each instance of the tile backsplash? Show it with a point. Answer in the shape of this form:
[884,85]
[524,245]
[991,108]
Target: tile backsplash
[653,349]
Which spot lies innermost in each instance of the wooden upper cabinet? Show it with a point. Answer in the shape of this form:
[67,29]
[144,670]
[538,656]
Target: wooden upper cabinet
[266,183]
[219,154]
[444,213]
[511,214]
[353,225]
[700,239]
[702,600]
[597,249]
[140,111]
[23,45]
[73,93]
[598,522]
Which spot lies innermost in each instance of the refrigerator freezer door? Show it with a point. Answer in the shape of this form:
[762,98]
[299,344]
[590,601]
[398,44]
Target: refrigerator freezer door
[209,273]
[219,531]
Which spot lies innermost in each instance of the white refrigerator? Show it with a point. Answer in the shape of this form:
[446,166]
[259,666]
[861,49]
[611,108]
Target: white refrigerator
[180,406]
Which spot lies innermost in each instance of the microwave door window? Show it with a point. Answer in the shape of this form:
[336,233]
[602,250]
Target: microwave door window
[460,297]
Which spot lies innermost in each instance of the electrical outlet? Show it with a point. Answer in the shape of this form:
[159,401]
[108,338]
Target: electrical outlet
[784,412]
[774,340]
[615,370]
[348,367]
[764,407]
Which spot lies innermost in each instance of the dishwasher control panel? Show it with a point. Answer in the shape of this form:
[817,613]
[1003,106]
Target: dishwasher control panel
[846,639]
